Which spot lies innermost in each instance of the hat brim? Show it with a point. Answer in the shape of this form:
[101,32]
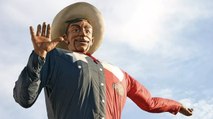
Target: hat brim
[79,10]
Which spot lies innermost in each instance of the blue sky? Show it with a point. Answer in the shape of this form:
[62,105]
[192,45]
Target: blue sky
[166,45]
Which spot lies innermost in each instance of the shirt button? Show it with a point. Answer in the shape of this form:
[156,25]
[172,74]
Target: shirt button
[102,101]
[102,118]
[101,69]
[79,66]
[102,84]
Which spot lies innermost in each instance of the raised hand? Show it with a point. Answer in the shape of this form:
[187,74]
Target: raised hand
[42,41]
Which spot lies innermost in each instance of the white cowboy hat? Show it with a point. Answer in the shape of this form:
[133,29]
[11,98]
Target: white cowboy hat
[79,10]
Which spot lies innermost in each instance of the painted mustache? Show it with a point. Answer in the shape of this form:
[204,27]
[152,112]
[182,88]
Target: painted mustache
[83,39]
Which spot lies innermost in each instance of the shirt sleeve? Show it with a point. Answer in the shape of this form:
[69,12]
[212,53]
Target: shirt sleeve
[142,97]
[28,86]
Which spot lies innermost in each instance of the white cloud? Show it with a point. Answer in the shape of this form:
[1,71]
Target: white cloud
[31,12]
[166,93]
[152,26]
[8,73]
[203,109]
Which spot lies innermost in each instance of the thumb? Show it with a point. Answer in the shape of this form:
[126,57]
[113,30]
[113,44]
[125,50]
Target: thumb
[53,43]
[57,40]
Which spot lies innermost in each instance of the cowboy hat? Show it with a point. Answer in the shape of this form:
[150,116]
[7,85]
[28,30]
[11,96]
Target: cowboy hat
[79,10]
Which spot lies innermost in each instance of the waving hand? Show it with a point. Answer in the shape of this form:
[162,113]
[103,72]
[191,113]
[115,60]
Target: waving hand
[42,41]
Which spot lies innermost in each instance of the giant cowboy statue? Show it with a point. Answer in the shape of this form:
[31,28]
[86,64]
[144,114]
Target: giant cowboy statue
[76,84]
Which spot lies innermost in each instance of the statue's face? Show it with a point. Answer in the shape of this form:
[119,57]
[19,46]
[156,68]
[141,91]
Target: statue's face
[79,36]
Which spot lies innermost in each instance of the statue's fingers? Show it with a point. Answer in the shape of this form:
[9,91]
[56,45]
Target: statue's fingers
[43,33]
[38,33]
[48,35]
[190,109]
[32,33]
